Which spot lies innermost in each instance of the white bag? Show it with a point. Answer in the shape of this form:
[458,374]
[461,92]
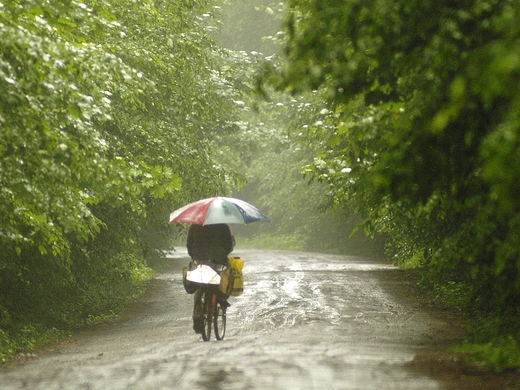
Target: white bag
[203,274]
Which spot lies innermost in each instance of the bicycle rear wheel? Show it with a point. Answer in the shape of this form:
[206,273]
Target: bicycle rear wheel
[208,314]
[219,321]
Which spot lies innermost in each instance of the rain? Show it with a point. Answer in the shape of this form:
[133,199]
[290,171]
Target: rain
[383,157]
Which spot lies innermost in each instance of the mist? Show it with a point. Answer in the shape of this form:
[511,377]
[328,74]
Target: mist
[300,219]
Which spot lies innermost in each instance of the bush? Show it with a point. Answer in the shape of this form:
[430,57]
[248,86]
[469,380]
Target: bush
[500,354]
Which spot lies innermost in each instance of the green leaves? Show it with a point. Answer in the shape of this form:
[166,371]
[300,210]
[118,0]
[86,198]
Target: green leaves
[107,114]
[425,120]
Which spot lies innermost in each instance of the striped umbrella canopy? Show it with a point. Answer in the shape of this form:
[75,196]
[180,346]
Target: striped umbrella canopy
[218,209]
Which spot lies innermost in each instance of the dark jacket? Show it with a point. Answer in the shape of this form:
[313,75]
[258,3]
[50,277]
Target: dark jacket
[210,243]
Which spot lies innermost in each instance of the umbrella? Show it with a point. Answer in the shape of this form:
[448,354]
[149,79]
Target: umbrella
[218,209]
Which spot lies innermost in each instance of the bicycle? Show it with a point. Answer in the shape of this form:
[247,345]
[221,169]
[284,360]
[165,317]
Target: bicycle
[208,280]
[214,312]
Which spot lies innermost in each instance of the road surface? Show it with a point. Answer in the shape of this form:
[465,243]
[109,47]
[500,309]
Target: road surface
[305,321]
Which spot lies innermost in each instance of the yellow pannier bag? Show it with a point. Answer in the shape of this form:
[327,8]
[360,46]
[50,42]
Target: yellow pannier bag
[232,279]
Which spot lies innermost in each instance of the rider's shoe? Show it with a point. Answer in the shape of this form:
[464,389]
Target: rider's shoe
[224,303]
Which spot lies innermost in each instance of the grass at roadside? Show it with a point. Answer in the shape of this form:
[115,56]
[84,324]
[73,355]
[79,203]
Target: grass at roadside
[499,354]
[493,342]
[23,335]
[490,342]
[26,338]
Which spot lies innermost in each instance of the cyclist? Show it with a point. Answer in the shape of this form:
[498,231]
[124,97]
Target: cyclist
[208,244]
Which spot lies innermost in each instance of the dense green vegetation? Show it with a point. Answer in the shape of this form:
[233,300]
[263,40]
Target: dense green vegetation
[105,113]
[421,136]
[301,219]
[267,152]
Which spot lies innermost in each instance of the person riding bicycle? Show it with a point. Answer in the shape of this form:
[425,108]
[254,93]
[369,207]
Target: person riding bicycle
[208,244]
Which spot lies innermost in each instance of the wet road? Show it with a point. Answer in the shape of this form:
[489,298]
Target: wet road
[305,321]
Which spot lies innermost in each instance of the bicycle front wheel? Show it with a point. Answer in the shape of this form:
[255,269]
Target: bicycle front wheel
[219,321]
[208,314]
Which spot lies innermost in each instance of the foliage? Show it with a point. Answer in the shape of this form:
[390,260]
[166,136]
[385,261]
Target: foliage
[499,352]
[107,114]
[421,129]
[268,154]
[277,185]
[26,338]
[452,294]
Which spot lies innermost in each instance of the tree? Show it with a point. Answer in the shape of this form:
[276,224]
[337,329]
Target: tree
[423,134]
[107,111]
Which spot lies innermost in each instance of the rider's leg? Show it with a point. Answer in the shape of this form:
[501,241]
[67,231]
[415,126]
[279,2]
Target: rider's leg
[198,315]
[223,298]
